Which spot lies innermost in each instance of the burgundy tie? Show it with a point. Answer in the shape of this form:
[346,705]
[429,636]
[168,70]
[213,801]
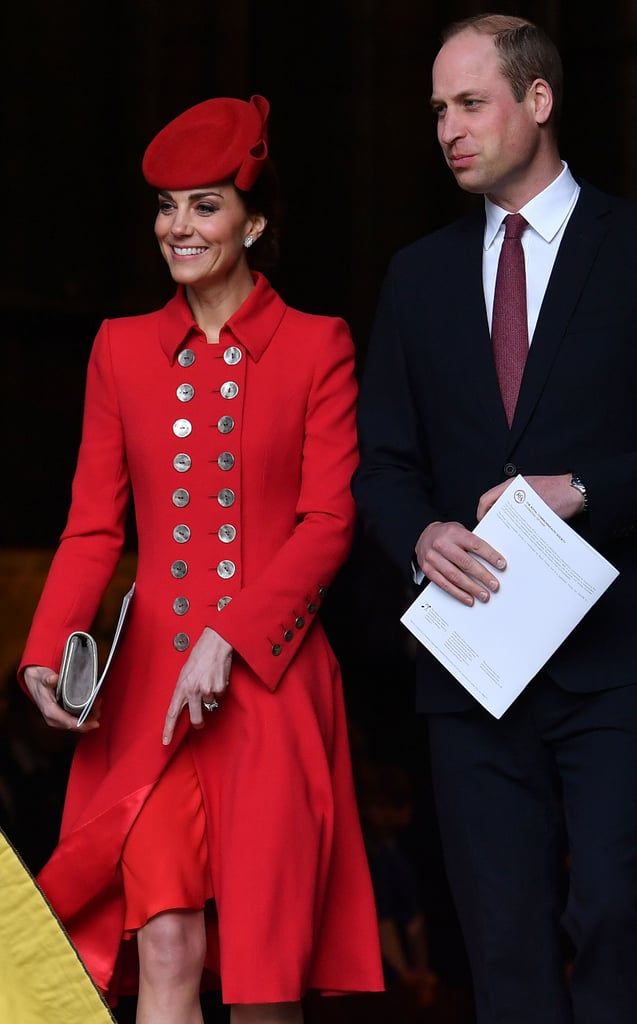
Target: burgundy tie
[509,328]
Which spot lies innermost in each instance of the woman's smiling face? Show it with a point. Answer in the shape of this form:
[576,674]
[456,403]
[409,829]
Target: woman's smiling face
[201,233]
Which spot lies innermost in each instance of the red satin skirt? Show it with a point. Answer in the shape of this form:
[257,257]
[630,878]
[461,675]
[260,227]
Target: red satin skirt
[165,863]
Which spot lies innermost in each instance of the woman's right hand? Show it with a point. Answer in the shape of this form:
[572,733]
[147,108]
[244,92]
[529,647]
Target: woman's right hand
[204,677]
[41,683]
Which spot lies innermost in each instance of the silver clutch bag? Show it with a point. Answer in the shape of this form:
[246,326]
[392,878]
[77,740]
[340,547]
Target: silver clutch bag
[77,681]
[78,684]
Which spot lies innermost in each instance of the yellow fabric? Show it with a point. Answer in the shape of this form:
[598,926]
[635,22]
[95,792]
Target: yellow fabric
[42,980]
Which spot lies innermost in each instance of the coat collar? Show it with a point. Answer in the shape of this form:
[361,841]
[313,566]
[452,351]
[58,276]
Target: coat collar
[253,325]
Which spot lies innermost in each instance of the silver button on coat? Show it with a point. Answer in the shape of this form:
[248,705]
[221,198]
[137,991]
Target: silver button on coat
[226,569]
[225,424]
[233,355]
[226,533]
[181,497]
[226,497]
[182,428]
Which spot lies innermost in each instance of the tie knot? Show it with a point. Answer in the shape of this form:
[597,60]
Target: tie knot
[514,225]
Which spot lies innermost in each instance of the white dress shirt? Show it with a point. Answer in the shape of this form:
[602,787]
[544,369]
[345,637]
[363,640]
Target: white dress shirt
[547,215]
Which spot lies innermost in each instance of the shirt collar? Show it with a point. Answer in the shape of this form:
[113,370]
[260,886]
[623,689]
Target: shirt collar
[546,212]
[253,324]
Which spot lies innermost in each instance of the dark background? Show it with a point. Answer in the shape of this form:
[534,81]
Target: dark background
[85,87]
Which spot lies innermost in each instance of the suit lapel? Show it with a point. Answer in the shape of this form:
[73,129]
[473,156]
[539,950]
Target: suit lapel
[576,255]
[466,258]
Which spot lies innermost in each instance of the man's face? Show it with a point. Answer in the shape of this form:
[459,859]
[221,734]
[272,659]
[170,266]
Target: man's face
[489,140]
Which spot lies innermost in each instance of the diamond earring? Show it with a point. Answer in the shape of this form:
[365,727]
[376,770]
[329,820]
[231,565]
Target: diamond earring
[248,241]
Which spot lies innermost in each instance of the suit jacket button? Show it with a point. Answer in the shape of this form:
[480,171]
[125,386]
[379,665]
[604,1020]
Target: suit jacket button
[510,469]
[276,649]
[181,641]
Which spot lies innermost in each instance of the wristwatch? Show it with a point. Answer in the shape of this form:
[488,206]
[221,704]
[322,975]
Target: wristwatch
[579,486]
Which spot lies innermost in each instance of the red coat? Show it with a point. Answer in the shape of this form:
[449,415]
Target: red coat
[239,463]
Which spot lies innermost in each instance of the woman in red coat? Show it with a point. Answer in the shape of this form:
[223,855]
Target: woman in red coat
[210,813]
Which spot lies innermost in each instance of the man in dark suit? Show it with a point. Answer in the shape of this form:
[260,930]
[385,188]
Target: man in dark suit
[437,450]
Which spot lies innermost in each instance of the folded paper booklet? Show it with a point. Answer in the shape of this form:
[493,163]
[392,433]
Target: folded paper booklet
[553,577]
[78,683]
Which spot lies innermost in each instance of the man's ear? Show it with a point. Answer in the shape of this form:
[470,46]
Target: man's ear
[542,97]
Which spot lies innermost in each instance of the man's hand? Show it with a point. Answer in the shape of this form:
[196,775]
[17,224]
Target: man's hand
[454,558]
[556,491]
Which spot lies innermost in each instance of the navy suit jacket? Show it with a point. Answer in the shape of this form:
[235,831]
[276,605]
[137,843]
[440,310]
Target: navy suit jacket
[434,435]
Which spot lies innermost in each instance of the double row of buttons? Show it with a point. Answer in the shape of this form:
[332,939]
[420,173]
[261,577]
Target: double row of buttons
[226,497]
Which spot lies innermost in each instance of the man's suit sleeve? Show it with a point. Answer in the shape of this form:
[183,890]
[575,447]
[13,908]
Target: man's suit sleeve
[392,483]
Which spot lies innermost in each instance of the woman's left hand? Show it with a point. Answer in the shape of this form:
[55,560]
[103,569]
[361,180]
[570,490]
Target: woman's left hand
[203,679]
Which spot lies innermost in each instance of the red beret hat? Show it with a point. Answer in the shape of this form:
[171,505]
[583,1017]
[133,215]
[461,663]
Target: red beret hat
[216,140]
